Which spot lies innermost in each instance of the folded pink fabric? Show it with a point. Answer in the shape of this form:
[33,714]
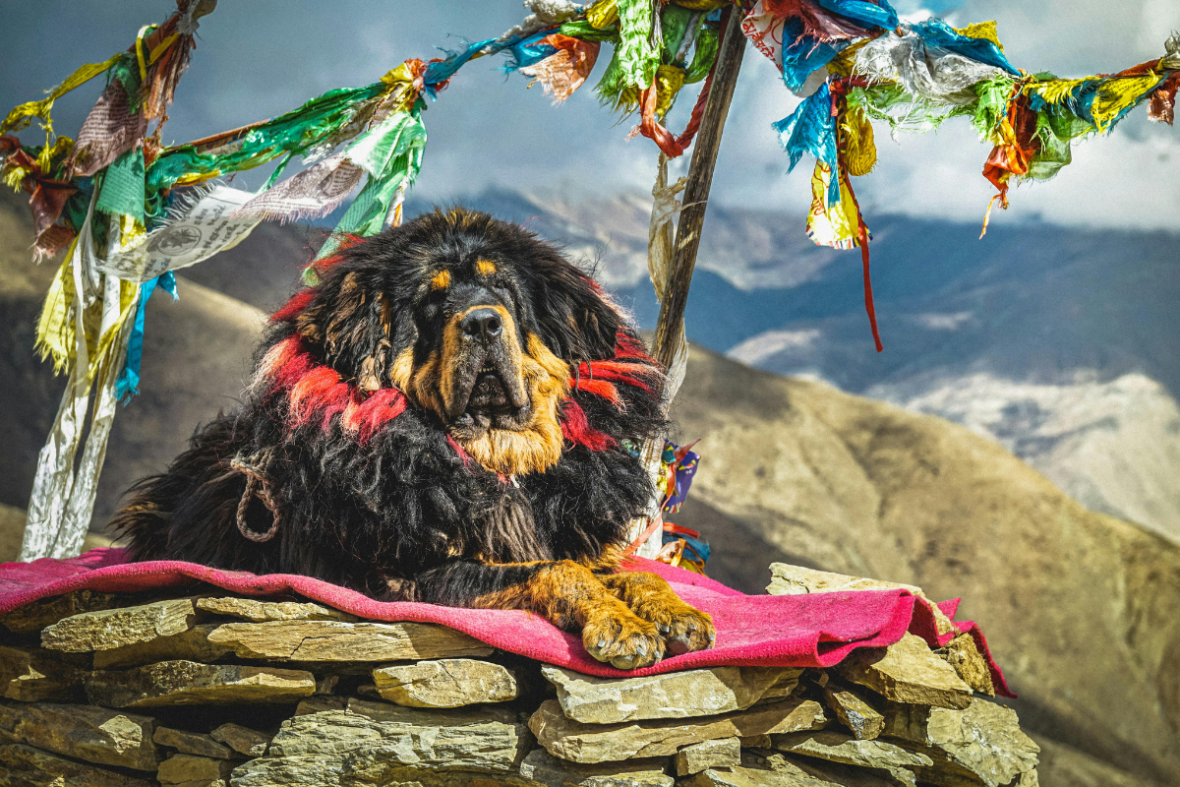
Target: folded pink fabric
[814,630]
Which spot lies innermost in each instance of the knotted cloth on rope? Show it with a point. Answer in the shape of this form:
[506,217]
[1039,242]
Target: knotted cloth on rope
[853,62]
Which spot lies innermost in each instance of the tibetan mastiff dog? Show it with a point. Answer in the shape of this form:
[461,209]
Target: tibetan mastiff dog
[450,414]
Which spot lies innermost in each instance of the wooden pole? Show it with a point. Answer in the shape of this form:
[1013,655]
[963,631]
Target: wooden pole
[695,198]
[696,191]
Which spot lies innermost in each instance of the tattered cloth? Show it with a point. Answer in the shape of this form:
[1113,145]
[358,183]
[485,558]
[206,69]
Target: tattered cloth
[812,630]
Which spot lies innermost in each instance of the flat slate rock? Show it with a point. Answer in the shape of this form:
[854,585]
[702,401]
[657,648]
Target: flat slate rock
[191,683]
[196,743]
[541,768]
[982,744]
[571,740]
[262,611]
[113,628]
[33,617]
[35,675]
[901,762]
[191,645]
[186,769]
[376,742]
[83,732]
[325,640]
[962,654]
[813,771]
[673,695]
[907,671]
[788,580]
[26,766]
[751,777]
[243,740]
[720,753]
[446,683]
[861,718]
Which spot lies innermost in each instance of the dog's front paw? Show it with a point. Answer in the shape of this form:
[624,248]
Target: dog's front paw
[686,629]
[617,636]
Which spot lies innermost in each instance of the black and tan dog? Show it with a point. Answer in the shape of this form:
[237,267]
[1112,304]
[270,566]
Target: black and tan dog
[449,415]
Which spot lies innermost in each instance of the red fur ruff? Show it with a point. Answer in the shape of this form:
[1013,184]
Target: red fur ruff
[318,392]
[576,428]
[294,307]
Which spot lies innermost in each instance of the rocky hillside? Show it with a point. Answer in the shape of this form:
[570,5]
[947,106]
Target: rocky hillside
[1079,607]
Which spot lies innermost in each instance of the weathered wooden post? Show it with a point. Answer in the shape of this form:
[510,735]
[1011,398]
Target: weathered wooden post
[670,327]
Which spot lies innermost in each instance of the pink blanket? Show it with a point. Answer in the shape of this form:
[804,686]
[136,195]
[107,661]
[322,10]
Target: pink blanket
[816,630]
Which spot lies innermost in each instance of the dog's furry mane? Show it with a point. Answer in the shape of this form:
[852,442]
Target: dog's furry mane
[341,451]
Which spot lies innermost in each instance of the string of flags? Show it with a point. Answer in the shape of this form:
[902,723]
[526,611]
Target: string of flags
[128,210]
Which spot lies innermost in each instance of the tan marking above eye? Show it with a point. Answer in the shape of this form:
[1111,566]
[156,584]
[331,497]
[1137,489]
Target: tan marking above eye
[485,267]
[441,280]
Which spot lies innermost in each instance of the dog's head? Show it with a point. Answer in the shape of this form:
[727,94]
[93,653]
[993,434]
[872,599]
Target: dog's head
[471,318]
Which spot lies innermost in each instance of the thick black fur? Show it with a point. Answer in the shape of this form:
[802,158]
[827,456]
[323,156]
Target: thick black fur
[405,505]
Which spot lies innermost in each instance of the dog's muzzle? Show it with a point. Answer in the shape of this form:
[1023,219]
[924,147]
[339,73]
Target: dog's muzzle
[488,389]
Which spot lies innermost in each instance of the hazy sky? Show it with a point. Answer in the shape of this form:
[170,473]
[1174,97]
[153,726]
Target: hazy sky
[259,58]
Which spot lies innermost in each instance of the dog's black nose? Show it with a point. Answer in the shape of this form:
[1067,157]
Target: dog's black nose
[483,325]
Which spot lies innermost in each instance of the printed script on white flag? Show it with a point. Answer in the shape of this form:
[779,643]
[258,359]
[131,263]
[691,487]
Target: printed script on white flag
[190,236]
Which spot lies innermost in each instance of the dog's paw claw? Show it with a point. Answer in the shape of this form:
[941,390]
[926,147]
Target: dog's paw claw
[688,630]
[623,640]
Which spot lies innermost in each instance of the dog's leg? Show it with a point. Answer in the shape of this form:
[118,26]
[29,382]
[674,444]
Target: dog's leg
[567,594]
[684,628]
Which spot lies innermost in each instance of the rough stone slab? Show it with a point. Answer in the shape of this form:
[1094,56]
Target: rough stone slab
[982,744]
[720,753]
[824,772]
[962,654]
[908,671]
[196,743]
[319,704]
[34,675]
[191,645]
[185,769]
[367,770]
[756,742]
[541,768]
[243,740]
[84,732]
[446,683]
[673,695]
[324,640]
[571,740]
[191,683]
[861,718]
[26,766]
[787,580]
[376,742]
[31,618]
[751,777]
[901,762]
[787,683]
[113,628]
[262,611]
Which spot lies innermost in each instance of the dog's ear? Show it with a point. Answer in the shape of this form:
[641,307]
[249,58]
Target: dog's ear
[574,317]
[358,328]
